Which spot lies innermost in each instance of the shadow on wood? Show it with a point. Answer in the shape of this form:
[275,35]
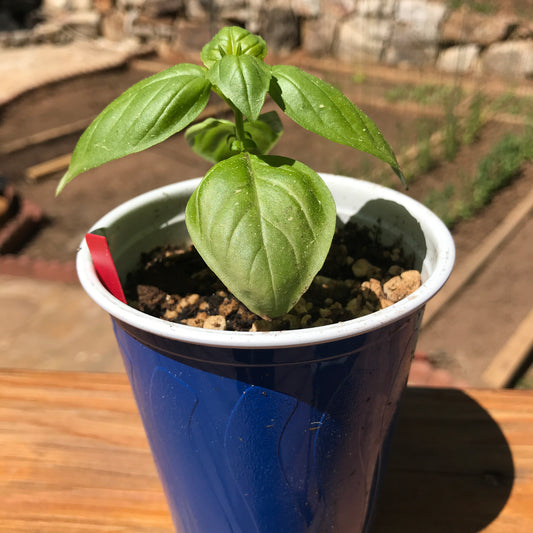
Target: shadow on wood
[450,470]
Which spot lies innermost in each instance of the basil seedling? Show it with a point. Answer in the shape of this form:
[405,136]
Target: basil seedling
[263,224]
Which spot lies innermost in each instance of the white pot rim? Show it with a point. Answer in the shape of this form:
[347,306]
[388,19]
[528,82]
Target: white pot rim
[273,339]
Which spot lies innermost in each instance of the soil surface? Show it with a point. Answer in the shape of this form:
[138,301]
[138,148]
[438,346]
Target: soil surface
[359,277]
[464,338]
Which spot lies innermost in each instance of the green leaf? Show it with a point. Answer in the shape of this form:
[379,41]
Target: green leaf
[233,41]
[146,114]
[321,108]
[264,226]
[264,132]
[213,139]
[244,81]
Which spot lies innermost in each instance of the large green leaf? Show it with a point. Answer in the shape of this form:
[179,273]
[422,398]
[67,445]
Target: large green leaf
[321,108]
[146,114]
[214,139]
[244,80]
[233,41]
[264,226]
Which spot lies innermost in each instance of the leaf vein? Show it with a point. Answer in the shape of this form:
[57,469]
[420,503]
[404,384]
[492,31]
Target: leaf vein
[262,229]
[297,201]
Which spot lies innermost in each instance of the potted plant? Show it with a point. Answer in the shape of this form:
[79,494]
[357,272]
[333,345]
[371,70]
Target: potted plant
[260,431]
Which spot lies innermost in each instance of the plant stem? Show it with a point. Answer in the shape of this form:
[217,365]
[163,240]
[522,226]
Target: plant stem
[239,125]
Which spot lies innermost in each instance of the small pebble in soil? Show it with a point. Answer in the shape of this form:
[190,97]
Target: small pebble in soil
[359,277]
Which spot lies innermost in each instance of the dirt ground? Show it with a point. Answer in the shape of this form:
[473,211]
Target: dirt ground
[463,338]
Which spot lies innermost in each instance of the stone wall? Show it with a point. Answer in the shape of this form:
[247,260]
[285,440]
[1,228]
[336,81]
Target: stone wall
[393,32]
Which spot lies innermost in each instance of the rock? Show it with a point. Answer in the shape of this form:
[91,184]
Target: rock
[190,300]
[147,28]
[410,53]
[339,9]
[236,10]
[103,6]
[67,5]
[524,30]
[354,306]
[322,322]
[415,32]
[394,270]
[196,322]
[228,306]
[55,5]
[305,8]
[227,4]
[362,268]
[215,322]
[362,38]
[318,35]
[510,58]
[163,8]
[261,325]
[114,26]
[130,4]
[150,296]
[376,8]
[195,10]
[494,29]
[374,286]
[191,34]
[401,286]
[170,314]
[467,26]
[280,28]
[418,20]
[81,5]
[458,26]
[461,58]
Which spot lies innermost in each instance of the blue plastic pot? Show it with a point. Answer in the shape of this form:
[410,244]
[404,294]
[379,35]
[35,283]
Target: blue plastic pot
[279,431]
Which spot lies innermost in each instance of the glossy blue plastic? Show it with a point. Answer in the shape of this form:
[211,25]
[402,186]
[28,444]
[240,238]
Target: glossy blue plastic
[277,432]
[286,440]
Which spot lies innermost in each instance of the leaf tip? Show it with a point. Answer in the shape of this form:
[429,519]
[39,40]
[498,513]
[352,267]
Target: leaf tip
[63,182]
[400,174]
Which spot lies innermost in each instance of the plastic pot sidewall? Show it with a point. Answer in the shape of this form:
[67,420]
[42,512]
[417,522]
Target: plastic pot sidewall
[277,431]
[157,218]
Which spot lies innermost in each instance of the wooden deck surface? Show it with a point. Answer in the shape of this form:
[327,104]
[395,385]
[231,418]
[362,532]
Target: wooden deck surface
[74,458]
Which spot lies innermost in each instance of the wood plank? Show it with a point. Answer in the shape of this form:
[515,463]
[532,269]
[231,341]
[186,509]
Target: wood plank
[508,361]
[48,167]
[73,447]
[478,258]
[74,459]
[44,136]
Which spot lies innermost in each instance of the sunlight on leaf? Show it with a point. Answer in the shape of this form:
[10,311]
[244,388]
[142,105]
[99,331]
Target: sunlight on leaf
[321,108]
[146,114]
[264,226]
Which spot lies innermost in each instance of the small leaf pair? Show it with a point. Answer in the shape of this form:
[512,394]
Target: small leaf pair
[215,139]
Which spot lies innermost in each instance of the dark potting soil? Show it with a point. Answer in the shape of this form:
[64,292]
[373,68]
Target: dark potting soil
[359,277]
